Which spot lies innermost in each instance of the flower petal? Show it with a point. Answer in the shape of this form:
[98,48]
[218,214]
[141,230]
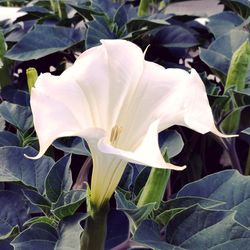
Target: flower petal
[59,109]
[147,153]
[106,74]
[188,104]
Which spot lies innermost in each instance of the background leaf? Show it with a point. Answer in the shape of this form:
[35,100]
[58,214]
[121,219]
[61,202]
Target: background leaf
[34,46]
[59,179]
[15,167]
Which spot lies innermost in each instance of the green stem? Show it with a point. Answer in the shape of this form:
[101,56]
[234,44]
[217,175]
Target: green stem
[53,6]
[247,169]
[143,7]
[94,234]
[155,187]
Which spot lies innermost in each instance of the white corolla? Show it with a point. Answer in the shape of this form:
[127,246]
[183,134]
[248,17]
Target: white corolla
[118,102]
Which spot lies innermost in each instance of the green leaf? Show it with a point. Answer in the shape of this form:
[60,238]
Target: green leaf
[167,215]
[44,219]
[34,46]
[144,24]
[68,203]
[5,64]
[98,29]
[37,200]
[38,236]
[171,141]
[223,22]
[149,235]
[242,7]
[18,116]
[218,55]
[175,36]
[35,10]
[14,166]
[227,186]
[69,232]
[14,212]
[72,145]
[59,179]
[85,11]
[168,209]
[135,214]
[8,139]
[199,228]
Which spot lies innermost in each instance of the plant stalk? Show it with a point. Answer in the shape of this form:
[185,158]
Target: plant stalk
[95,231]
[143,7]
[247,169]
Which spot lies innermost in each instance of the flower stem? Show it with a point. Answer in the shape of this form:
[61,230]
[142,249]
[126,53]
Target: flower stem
[143,7]
[94,234]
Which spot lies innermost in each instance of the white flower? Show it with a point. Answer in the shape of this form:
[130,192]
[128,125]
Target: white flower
[118,103]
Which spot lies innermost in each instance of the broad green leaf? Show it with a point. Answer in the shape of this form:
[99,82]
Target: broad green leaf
[38,236]
[5,64]
[169,208]
[37,200]
[14,212]
[242,7]
[198,228]
[227,186]
[145,24]
[49,220]
[223,22]
[68,203]
[16,96]
[149,235]
[14,166]
[215,60]
[69,232]
[85,11]
[172,141]
[219,53]
[35,10]
[135,214]
[72,145]
[59,179]
[34,46]
[18,116]
[117,229]
[175,36]
[98,29]
[8,139]
[167,215]
[121,17]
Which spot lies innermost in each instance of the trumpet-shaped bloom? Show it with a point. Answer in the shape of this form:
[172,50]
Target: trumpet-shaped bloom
[118,103]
